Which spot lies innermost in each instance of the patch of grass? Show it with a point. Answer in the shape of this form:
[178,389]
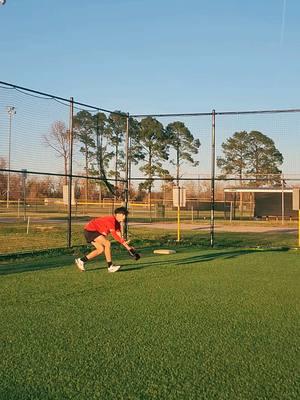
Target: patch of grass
[160,237]
[13,238]
[199,324]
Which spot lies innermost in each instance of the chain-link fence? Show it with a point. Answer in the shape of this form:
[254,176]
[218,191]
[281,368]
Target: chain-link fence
[63,162]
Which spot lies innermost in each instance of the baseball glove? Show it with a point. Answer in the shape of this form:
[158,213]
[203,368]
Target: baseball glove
[134,254]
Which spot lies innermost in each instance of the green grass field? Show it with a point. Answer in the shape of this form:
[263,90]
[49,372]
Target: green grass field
[199,324]
[14,239]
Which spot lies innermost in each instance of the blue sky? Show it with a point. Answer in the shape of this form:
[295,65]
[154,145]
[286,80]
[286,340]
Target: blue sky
[150,56]
[155,56]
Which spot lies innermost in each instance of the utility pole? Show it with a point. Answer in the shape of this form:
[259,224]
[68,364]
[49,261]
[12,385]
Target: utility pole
[11,111]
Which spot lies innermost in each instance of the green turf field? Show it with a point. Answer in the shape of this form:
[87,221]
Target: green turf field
[200,324]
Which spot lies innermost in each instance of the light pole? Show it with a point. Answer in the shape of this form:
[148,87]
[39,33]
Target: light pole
[11,111]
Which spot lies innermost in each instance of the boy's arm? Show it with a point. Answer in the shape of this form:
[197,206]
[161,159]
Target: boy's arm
[131,250]
[117,236]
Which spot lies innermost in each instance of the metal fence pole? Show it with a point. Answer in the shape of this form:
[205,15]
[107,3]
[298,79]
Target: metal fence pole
[282,199]
[99,155]
[69,241]
[212,190]
[126,194]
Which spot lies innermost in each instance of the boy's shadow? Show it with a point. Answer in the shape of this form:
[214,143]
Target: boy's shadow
[195,259]
[30,266]
[53,262]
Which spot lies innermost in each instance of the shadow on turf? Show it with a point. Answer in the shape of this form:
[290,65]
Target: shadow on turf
[197,258]
[44,264]
[53,262]
[36,265]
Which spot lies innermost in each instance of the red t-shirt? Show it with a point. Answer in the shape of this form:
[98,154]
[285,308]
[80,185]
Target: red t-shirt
[105,226]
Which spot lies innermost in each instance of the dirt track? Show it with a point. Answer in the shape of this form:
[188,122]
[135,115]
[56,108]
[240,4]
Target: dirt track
[218,227]
[255,227]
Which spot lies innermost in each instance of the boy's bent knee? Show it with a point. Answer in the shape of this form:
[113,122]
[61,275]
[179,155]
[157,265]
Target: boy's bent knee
[98,247]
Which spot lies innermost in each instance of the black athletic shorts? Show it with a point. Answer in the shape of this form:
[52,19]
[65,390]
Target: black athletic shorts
[90,236]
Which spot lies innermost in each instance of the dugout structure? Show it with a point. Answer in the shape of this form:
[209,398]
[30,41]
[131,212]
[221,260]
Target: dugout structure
[259,203]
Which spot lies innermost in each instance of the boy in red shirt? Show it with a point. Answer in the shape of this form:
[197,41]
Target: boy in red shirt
[96,232]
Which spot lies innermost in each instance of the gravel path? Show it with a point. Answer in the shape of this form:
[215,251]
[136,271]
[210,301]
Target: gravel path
[255,227]
[218,227]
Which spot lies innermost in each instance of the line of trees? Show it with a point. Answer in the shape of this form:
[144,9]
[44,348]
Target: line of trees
[100,140]
[37,187]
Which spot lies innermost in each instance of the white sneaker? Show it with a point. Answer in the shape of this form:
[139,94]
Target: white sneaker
[114,268]
[80,264]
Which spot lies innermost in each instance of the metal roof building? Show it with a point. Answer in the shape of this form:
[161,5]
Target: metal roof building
[260,202]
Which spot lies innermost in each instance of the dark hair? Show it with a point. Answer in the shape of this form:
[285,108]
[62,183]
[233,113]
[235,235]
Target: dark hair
[121,210]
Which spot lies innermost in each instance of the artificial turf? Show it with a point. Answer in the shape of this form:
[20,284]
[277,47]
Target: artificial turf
[199,324]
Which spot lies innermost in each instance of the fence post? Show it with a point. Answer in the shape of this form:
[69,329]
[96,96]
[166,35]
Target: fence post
[178,211]
[212,190]
[28,223]
[69,239]
[99,155]
[282,199]
[126,197]
[24,177]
